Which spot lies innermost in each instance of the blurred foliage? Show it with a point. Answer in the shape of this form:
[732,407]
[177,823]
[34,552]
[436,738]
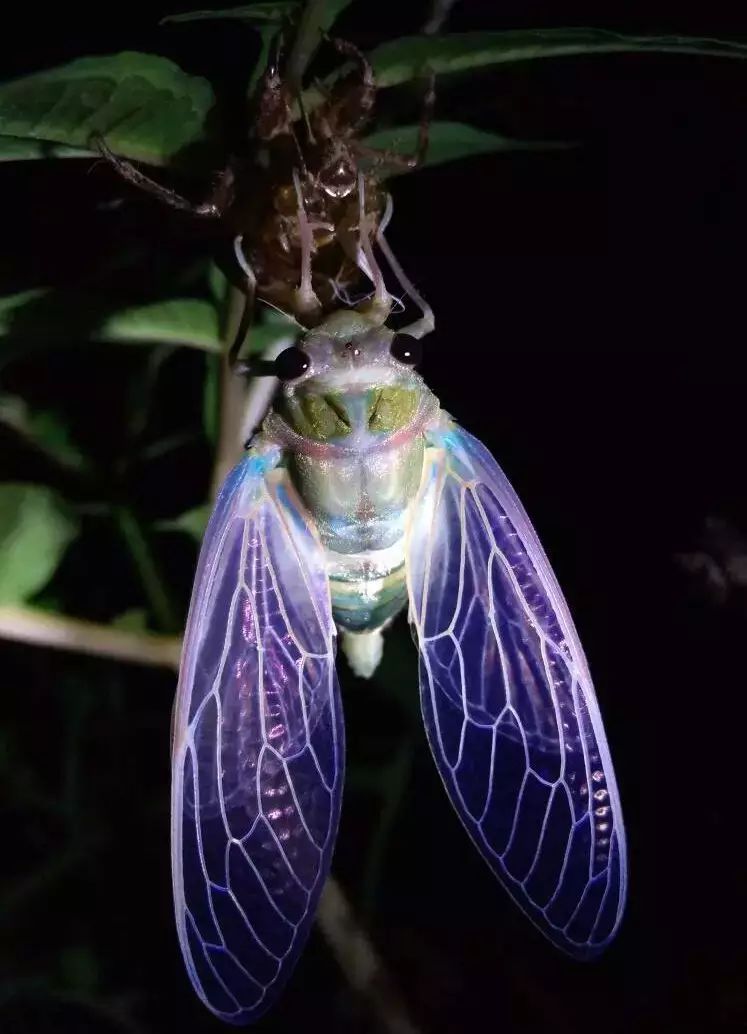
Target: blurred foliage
[107,527]
[35,529]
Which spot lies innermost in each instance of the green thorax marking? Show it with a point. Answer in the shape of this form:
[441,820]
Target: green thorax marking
[325,416]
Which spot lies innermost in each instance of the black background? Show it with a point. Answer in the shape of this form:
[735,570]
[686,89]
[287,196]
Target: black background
[590,329]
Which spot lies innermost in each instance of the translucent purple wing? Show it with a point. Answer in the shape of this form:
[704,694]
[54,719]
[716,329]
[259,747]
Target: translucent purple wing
[258,747]
[508,701]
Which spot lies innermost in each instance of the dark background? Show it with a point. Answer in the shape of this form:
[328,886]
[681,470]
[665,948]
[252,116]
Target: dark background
[590,329]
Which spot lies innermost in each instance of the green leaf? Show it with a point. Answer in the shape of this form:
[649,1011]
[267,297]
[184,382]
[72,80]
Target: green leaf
[79,969]
[45,430]
[133,620]
[193,522]
[274,328]
[45,317]
[333,10]
[181,321]
[18,149]
[254,14]
[449,141]
[410,57]
[218,284]
[145,106]
[211,397]
[35,529]
[266,18]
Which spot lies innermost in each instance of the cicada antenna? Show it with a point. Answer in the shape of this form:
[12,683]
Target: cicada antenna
[427,322]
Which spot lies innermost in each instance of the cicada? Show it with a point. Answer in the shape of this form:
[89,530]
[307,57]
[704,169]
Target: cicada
[360,496]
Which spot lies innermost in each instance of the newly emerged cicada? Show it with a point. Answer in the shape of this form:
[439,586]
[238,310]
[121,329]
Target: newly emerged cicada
[360,496]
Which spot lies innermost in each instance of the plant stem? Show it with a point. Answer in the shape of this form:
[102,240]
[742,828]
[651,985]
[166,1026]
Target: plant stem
[439,13]
[147,569]
[359,960]
[59,865]
[307,40]
[233,392]
[28,625]
[396,780]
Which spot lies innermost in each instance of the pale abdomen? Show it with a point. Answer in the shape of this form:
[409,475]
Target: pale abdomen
[359,504]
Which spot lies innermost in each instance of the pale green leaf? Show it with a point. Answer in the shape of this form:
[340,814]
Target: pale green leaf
[79,969]
[274,329]
[193,522]
[146,107]
[181,321]
[45,430]
[253,14]
[449,141]
[35,529]
[133,620]
[19,149]
[410,57]
[45,317]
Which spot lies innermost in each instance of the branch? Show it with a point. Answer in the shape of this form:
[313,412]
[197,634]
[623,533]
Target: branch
[233,393]
[307,39]
[439,13]
[359,960]
[29,625]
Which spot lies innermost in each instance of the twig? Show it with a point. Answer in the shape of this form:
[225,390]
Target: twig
[233,397]
[439,13]
[308,35]
[394,781]
[58,865]
[28,625]
[147,569]
[359,960]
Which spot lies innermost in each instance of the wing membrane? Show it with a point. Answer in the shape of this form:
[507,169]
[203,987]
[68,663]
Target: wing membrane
[258,747]
[508,702]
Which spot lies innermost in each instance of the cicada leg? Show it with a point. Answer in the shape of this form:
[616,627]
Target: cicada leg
[307,304]
[420,327]
[360,253]
[383,159]
[214,206]
[353,103]
[382,300]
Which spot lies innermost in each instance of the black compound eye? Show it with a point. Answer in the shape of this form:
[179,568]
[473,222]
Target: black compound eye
[293,362]
[406,349]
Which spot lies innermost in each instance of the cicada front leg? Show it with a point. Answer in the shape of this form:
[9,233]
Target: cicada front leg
[215,206]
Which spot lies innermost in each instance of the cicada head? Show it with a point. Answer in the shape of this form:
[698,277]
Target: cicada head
[352,376]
